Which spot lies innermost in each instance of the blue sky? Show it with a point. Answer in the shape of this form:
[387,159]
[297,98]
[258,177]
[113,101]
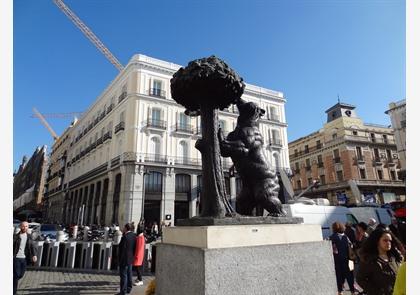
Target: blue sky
[309,50]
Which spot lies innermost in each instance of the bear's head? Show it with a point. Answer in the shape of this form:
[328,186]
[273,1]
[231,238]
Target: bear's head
[249,113]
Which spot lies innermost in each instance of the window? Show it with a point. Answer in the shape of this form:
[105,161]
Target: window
[354,132]
[306,149]
[182,183]
[334,136]
[308,164]
[157,88]
[359,153]
[122,116]
[376,153]
[183,151]
[156,116]
[277,161]
[222,125]
[322,179]
[275,137]
[372,137]
[297,166]
[153,182]
[299,184]
[384,136]
[296,152]
[362,173]
[336,153]
[340,175]
[380,174]
[273,114]
[318,144]
[319,159]
[393,175]
[154,147]
[183,121]
[388,154]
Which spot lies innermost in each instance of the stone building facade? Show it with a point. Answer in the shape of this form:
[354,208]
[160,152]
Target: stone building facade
[355,162]
[397,114]
[132,152]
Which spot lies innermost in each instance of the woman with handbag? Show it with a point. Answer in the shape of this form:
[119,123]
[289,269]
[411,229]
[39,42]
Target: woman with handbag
[341,250]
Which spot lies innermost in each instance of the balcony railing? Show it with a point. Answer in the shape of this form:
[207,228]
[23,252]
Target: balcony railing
[359,160]
[110,107]
[274,117]
[99,141]
[155,158]
[122,96]
[187,161]
[186,128]
[107,135]
[275,142]
[157,92]
[93,146]
[120,126]
[156,123]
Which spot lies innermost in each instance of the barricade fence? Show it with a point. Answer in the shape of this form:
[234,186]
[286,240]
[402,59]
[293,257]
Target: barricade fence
[99,255]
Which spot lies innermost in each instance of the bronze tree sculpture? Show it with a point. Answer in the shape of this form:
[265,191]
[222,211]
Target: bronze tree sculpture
[203,87]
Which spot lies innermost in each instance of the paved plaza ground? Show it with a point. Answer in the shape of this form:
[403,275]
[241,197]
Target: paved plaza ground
[37,281]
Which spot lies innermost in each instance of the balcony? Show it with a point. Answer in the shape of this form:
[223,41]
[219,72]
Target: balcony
[359,160]
[156,92]
[103,114]
[377,161]
[320,164]
[110,107]
[107,135]
[337,160]
[93,146]
[276,142]
[187,161]
[184,128]
[122,96]
[159,124]
[391,162]
[99,141]
[155,158]
[120,126]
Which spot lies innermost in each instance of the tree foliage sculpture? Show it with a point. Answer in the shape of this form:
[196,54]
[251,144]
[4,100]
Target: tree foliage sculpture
[203,87]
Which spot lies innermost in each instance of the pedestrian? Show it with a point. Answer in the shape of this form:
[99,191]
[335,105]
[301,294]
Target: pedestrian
[350,232]
[139,255]
[155,229]
[397,230]
[24,253]
[341,243]
[361,237]
[380,260]
[400,281]
[371,225]
[126,250]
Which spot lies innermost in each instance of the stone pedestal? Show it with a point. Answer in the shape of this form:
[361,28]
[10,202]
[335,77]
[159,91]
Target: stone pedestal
[258,259]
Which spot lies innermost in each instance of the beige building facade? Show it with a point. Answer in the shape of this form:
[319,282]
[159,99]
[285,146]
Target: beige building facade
[355,162]
[132,152]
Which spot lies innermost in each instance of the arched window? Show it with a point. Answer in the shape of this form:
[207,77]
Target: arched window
[183,151]
[154,146]
[153,182]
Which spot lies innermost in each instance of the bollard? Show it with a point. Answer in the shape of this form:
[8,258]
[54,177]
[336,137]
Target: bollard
[106,234]
[75,232]
[85,233]
[38,246]
[102,255]
[67,255]
[84,255]
[60,236]
[50,254]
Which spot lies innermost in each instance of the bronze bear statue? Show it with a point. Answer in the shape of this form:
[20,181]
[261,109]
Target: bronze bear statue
[260,185]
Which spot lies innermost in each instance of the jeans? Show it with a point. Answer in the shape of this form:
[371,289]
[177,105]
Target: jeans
[139,270]
[126,279]
[342,273]
[19,268]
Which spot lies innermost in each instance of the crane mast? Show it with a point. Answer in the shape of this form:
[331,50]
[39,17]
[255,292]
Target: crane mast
[89,34]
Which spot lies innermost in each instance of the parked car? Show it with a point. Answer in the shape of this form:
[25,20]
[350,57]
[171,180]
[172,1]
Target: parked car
[399,209]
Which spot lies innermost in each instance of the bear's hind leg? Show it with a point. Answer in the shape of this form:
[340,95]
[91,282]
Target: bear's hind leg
[245,202]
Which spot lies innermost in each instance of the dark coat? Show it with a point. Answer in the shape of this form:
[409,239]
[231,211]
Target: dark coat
[376,276]
[340,249]
[30,250]
[127,248]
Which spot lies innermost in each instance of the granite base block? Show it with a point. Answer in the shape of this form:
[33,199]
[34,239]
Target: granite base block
[238,220]
[286,269]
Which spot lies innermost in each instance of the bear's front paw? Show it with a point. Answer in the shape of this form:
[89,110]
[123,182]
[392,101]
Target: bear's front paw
[200,145]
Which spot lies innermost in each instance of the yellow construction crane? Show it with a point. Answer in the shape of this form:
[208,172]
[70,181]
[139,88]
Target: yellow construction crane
[45,123]
[89,34]
[59,115]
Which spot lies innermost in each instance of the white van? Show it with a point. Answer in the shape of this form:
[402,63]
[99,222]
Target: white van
[381,215]
[325,216]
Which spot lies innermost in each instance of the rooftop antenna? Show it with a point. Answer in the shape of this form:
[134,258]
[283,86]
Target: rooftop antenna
[338,98]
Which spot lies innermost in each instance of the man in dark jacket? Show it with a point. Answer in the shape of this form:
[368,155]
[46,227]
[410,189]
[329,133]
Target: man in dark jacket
[24,253]
[126,250]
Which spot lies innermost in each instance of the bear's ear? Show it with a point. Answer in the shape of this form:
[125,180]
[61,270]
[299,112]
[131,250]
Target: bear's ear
[262,112]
